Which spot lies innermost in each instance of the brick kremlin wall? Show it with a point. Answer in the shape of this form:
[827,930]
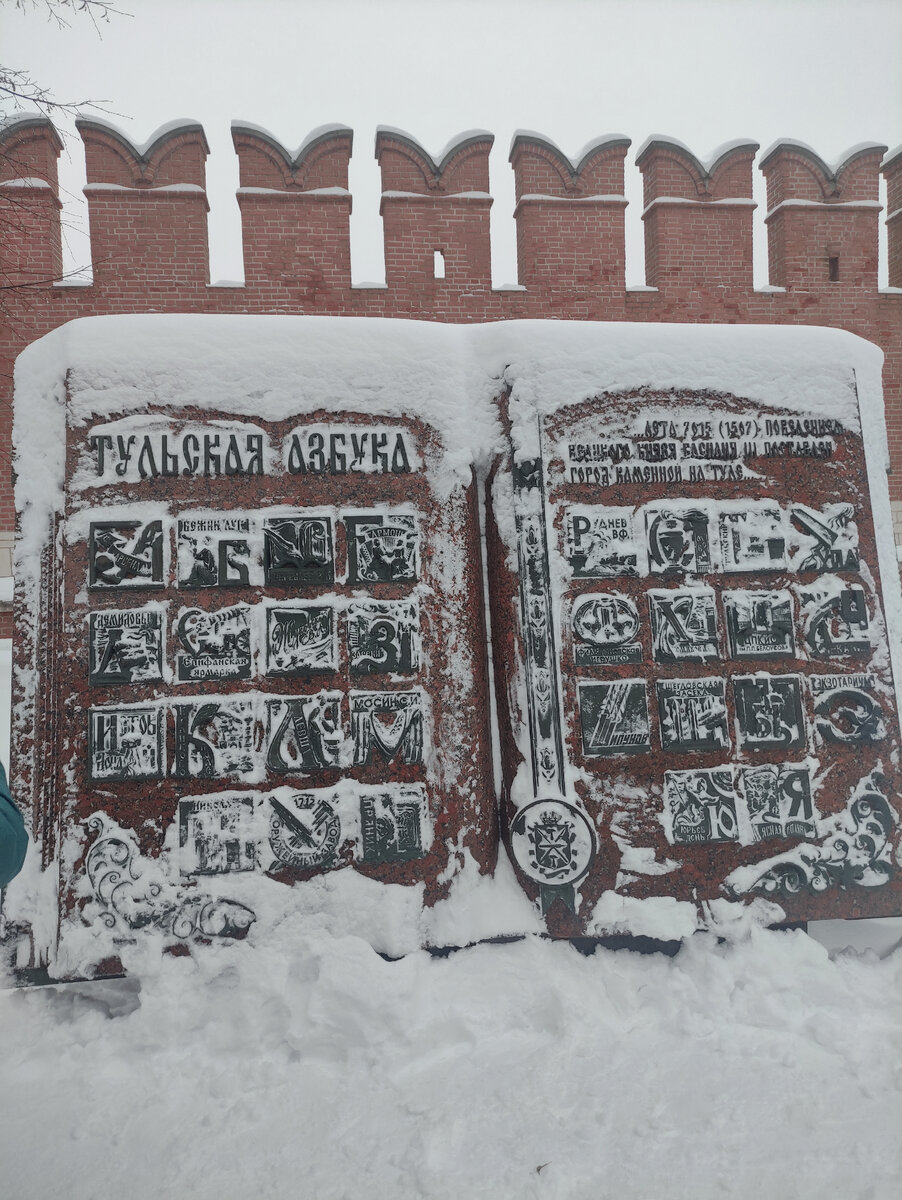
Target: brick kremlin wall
[148,226]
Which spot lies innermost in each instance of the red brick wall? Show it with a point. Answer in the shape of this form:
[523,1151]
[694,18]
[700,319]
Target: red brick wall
[148,218]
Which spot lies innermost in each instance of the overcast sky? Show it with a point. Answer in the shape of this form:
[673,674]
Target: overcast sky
[826,72]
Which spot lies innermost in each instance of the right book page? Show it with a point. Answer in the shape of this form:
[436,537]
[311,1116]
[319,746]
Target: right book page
[691,652]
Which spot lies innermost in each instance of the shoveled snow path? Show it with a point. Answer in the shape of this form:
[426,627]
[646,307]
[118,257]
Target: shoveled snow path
[316,1069]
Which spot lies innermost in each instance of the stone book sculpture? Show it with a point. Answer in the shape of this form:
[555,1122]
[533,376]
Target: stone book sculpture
[298,597]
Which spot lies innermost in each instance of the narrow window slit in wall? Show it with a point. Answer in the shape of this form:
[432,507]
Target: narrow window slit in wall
[438,264]
[833,269]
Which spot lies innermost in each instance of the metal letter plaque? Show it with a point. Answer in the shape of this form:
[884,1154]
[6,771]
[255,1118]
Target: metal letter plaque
[605,628]
[382,549]
[387,724]
[693,714]
[298,551]
[304,830]
[214,738]
[700,806]
[614,717]
[126,646]
[383,637]
[836,620]
[753,539]
[683,625]
[392,825]
[779,802]
[125,554]
[759,624]
[601,543]
[678,540]
[846,709]
[831,541]
[126,743]
[769,712]
[300,641]
[303,733]
[217,834]
[216,552]
[214,645]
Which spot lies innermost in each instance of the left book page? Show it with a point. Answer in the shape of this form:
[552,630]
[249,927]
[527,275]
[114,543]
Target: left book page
[254,649]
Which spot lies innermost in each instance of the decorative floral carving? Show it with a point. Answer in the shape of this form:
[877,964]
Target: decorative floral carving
[857,852]
[125,888]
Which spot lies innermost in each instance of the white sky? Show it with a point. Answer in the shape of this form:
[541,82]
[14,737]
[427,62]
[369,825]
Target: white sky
[827,72]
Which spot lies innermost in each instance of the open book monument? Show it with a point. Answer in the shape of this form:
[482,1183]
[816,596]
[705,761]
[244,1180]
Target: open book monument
[443,633]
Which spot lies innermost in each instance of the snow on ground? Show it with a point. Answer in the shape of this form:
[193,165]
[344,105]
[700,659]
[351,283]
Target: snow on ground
[311,1067]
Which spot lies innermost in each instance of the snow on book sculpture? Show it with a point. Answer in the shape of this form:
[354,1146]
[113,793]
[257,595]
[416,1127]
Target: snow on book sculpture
[252,652]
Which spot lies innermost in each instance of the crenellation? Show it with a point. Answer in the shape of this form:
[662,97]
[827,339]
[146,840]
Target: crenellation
[435,211]
[822,222]
[697,217]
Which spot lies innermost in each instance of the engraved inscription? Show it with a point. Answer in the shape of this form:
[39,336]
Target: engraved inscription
[344,449]
[196,451]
